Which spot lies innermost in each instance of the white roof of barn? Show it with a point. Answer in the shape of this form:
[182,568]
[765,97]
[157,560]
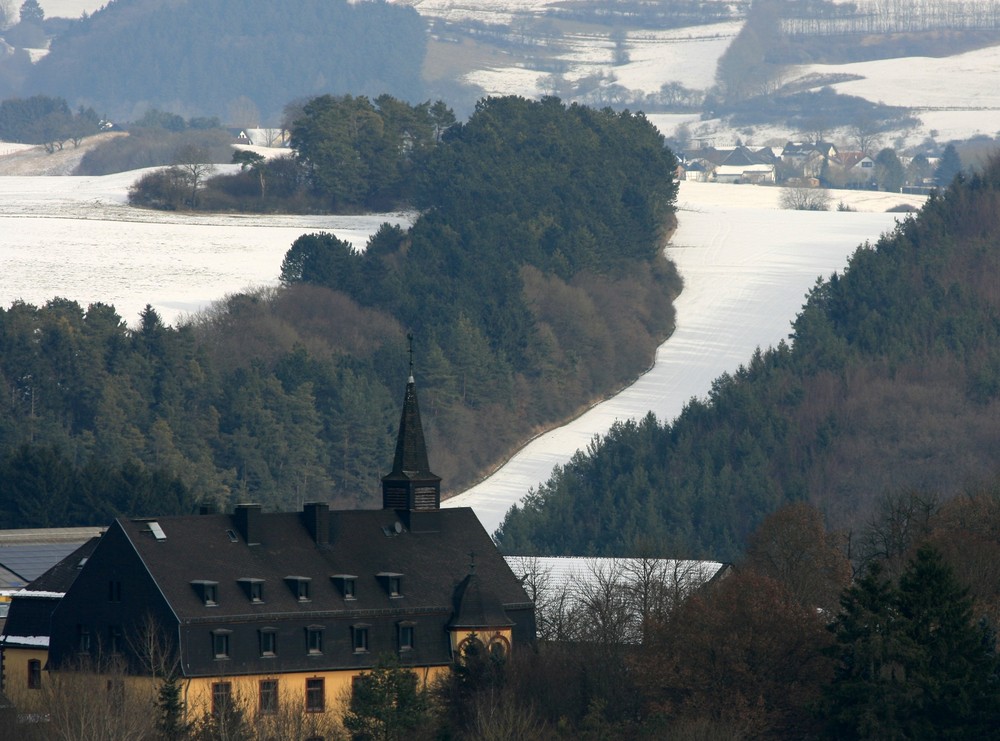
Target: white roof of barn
[570,572]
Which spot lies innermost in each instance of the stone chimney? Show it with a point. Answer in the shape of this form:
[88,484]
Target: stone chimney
[248,523]
[317,517]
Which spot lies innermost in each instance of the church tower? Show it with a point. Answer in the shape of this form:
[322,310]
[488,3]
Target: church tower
[411,486]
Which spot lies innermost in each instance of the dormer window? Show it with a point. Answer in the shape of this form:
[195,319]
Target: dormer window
[347,584]
[253,589]
[208,591]
[299,586]
[392,582]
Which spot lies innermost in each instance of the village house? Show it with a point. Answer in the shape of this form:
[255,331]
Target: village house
[806,159]
[851,170]
[738,164]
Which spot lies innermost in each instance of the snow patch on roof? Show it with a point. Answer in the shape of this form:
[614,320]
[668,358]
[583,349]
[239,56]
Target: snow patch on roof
[40,641]
[38,594]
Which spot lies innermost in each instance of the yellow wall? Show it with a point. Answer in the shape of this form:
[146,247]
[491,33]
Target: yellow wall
[245,690]
[15,673]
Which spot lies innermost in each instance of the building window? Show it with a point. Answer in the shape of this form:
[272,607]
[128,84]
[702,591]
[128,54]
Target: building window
[268,696]
[222,693]
[83,638]
[34,674]
[253,588]
[115,639]
[208,591]
[314,639]
[360,638]
[315,696]
[406,636]
[347,584]
[299,586]
[220,644]
[392,582]
[268,642]
[114,591]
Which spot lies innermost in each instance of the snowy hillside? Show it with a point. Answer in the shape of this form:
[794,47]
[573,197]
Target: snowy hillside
[956,97]
[747,267]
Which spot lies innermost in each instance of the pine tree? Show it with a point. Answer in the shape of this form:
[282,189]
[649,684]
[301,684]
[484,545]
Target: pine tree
[171,707]
[31,12]
[387,704]
[948,167]
[911,662]
[953,673]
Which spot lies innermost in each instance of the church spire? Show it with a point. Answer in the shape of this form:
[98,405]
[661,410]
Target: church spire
[411,485]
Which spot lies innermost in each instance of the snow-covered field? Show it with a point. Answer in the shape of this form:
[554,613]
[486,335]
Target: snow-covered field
[747,268]
[74,237]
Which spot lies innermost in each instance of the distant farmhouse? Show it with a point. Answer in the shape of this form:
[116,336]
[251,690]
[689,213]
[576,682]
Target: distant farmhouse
[738,164]
[277,605]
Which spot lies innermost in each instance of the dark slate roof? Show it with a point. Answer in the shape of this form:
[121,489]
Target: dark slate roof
[60,577]
[367,544]
[741,156]
[476,607]
[410,460]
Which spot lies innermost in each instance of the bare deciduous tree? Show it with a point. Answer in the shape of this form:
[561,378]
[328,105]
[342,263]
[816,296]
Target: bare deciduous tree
[192,163]
[793,547]
[8,13]
[805,199]
[95,702]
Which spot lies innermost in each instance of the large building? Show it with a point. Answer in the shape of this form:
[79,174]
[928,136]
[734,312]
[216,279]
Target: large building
[294,605]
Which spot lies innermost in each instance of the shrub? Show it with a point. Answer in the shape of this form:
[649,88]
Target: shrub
[805,199]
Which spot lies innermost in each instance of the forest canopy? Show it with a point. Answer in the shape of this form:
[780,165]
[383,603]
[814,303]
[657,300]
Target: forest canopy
[891,383]
[547,291]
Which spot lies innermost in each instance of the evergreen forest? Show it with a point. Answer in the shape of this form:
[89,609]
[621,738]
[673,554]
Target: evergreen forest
[239,61]
[533,283]
[890,385]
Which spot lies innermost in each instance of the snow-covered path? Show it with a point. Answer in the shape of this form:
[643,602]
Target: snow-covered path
[746,272]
